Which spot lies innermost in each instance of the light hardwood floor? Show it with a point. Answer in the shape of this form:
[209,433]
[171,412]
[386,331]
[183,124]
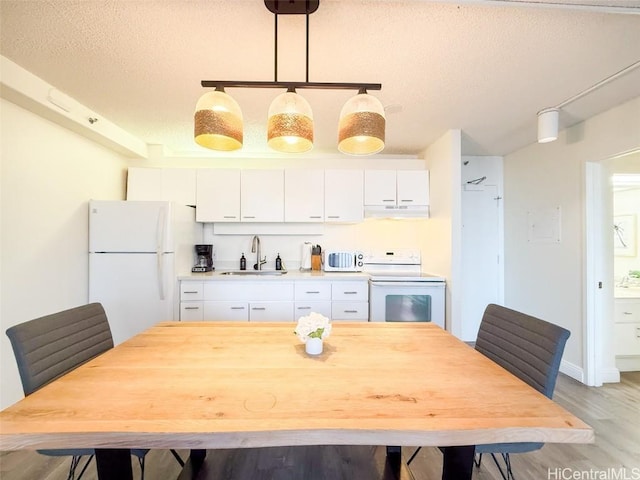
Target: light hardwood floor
[612,410]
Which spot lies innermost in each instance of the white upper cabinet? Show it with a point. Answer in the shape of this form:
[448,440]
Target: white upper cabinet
[303,195]
[144,183]
[380,187]
[343,196]
[170,184]
[413,187]
[262,196]
[396,187]
[218,195]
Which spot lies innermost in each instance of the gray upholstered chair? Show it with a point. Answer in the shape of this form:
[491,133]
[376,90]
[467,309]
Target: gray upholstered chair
[49,347]
[529,348]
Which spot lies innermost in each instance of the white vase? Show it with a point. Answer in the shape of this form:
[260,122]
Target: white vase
[313,346]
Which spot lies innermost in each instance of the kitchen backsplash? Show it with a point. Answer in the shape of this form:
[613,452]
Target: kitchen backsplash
[373,234]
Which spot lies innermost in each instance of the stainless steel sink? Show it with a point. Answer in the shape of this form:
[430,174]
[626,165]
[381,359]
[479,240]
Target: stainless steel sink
[254,272]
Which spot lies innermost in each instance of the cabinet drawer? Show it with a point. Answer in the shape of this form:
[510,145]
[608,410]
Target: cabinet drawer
[358,291]
[231,311]
[302,309]
[312,291]
[271,311]
[248,291]
[626,311]
[191,311]
[350,311]
[190,290]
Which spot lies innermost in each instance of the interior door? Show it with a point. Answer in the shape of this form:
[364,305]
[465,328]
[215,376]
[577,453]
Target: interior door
[481,262]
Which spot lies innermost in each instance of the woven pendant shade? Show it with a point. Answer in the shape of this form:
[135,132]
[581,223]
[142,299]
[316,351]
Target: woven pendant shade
[290,125]
[362,126]
[218,122]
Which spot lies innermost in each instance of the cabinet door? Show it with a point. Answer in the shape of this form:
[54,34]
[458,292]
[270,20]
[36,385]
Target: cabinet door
[626,310]
[413,187]
[380,187]
[179,185]
[144,183]
[303,195]
[271,311]
[627,339]
[190,291]
[262,195]
[350,291]
[226,311]
[248,291]
[218,195]
[191,311]
[343,196]
[353,311]
[312,291]
[303,308]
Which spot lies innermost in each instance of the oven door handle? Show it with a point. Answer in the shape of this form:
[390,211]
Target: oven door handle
[405,283]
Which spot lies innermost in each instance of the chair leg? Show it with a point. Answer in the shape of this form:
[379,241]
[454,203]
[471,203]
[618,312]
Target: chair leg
[75,461]
[141,462]
[177,457]
[413,456]
[507,460]
[477,460]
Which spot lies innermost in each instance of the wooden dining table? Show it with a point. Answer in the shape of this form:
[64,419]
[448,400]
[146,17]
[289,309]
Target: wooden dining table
[219,385]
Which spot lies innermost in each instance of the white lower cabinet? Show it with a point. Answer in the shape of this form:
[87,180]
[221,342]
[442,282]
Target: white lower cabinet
[273,301]
[270,311]
[350,301]
[253,301]
[227,311]
[351,311]
[627,331]
[302,309]
[191,311]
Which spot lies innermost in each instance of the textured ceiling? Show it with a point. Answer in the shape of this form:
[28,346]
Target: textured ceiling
[483,67]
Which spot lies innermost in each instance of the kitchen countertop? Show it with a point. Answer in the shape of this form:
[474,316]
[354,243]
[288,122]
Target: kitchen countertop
[291,275]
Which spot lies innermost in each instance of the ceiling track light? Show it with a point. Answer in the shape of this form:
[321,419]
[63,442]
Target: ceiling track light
[218,119]
[548,118]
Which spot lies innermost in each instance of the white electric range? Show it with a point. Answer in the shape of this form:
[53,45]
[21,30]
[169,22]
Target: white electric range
[400,292]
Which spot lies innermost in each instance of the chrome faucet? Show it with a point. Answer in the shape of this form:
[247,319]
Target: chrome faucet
[255,248]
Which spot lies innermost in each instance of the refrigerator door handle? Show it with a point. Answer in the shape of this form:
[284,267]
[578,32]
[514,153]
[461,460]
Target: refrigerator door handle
[160,249]
[160,256]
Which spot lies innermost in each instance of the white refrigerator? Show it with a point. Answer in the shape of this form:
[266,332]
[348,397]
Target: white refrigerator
[136,251]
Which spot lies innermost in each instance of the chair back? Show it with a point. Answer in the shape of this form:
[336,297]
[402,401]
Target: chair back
[526,346]
[48,347]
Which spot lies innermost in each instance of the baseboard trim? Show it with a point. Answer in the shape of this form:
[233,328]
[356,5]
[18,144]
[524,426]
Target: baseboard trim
[572,370]
[628,363]
[610,375]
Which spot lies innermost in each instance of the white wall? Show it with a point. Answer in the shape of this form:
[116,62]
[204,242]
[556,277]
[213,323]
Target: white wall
[47,176]
[548,279]
[444,161]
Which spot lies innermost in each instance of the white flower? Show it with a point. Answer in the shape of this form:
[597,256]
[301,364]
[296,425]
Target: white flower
[313,325]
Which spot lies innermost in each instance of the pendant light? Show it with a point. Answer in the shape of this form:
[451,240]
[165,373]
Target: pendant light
[290,124]
[218,122]
[362,125]
[218,119]
[548,125]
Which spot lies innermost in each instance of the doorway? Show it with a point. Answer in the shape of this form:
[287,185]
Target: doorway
[600,339]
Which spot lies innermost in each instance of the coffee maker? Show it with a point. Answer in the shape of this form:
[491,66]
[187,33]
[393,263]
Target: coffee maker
[204,258]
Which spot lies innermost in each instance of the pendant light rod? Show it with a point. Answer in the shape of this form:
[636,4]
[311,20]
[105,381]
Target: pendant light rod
[307,66]
[275,50]
[287,85]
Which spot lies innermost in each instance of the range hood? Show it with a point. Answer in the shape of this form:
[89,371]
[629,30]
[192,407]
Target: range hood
[396,211]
